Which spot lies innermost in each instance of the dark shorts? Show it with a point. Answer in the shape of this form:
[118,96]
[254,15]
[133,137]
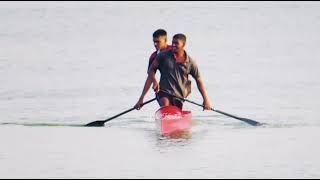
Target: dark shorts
[173,101]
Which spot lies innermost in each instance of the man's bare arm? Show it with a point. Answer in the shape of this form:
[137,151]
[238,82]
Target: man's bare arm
[148,83]
[201,88]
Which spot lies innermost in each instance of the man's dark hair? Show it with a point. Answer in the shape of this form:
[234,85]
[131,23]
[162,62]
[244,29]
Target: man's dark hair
[181,37]
[159,32]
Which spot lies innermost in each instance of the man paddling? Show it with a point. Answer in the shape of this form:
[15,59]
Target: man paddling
[175,66]
[160,43]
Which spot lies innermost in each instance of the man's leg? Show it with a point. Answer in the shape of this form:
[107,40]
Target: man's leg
[178,103]
[163,99]
[167,100]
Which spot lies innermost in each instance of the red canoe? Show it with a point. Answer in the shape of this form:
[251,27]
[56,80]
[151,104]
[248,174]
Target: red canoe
[170,120]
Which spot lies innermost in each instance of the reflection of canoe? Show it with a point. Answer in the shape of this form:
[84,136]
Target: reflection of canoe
[170,120]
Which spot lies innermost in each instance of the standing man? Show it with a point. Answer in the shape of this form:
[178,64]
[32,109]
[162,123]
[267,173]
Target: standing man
[160,43]
[175,65]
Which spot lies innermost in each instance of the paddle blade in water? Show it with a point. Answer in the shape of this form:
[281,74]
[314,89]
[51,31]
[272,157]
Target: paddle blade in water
[251,122]
[96,124]
[101,123]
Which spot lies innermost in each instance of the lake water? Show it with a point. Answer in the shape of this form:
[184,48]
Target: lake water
[65,64]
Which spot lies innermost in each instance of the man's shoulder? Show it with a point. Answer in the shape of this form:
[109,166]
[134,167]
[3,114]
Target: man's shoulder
[153,55]
[190,58]
[166,52]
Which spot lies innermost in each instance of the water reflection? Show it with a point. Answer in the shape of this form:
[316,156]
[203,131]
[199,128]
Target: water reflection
[168,144]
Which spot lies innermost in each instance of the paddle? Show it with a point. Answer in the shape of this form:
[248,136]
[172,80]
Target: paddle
[101,123]
[249,121]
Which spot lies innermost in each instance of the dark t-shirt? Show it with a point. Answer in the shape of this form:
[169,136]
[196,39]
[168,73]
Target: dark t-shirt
[174,76]
[154,55]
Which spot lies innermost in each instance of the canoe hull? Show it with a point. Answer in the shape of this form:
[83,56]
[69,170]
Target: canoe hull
[170,120]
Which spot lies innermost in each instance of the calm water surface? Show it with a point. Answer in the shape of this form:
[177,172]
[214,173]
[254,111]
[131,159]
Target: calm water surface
[65,64]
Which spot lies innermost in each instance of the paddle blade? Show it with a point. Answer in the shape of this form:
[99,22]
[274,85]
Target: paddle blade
[96,124]
[251,122]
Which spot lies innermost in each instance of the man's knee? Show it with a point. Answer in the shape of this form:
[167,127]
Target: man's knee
[178,103]
[164,101]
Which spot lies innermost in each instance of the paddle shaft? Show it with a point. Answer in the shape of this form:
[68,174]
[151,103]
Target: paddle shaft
[129,110]
[249,121]
[218,111]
